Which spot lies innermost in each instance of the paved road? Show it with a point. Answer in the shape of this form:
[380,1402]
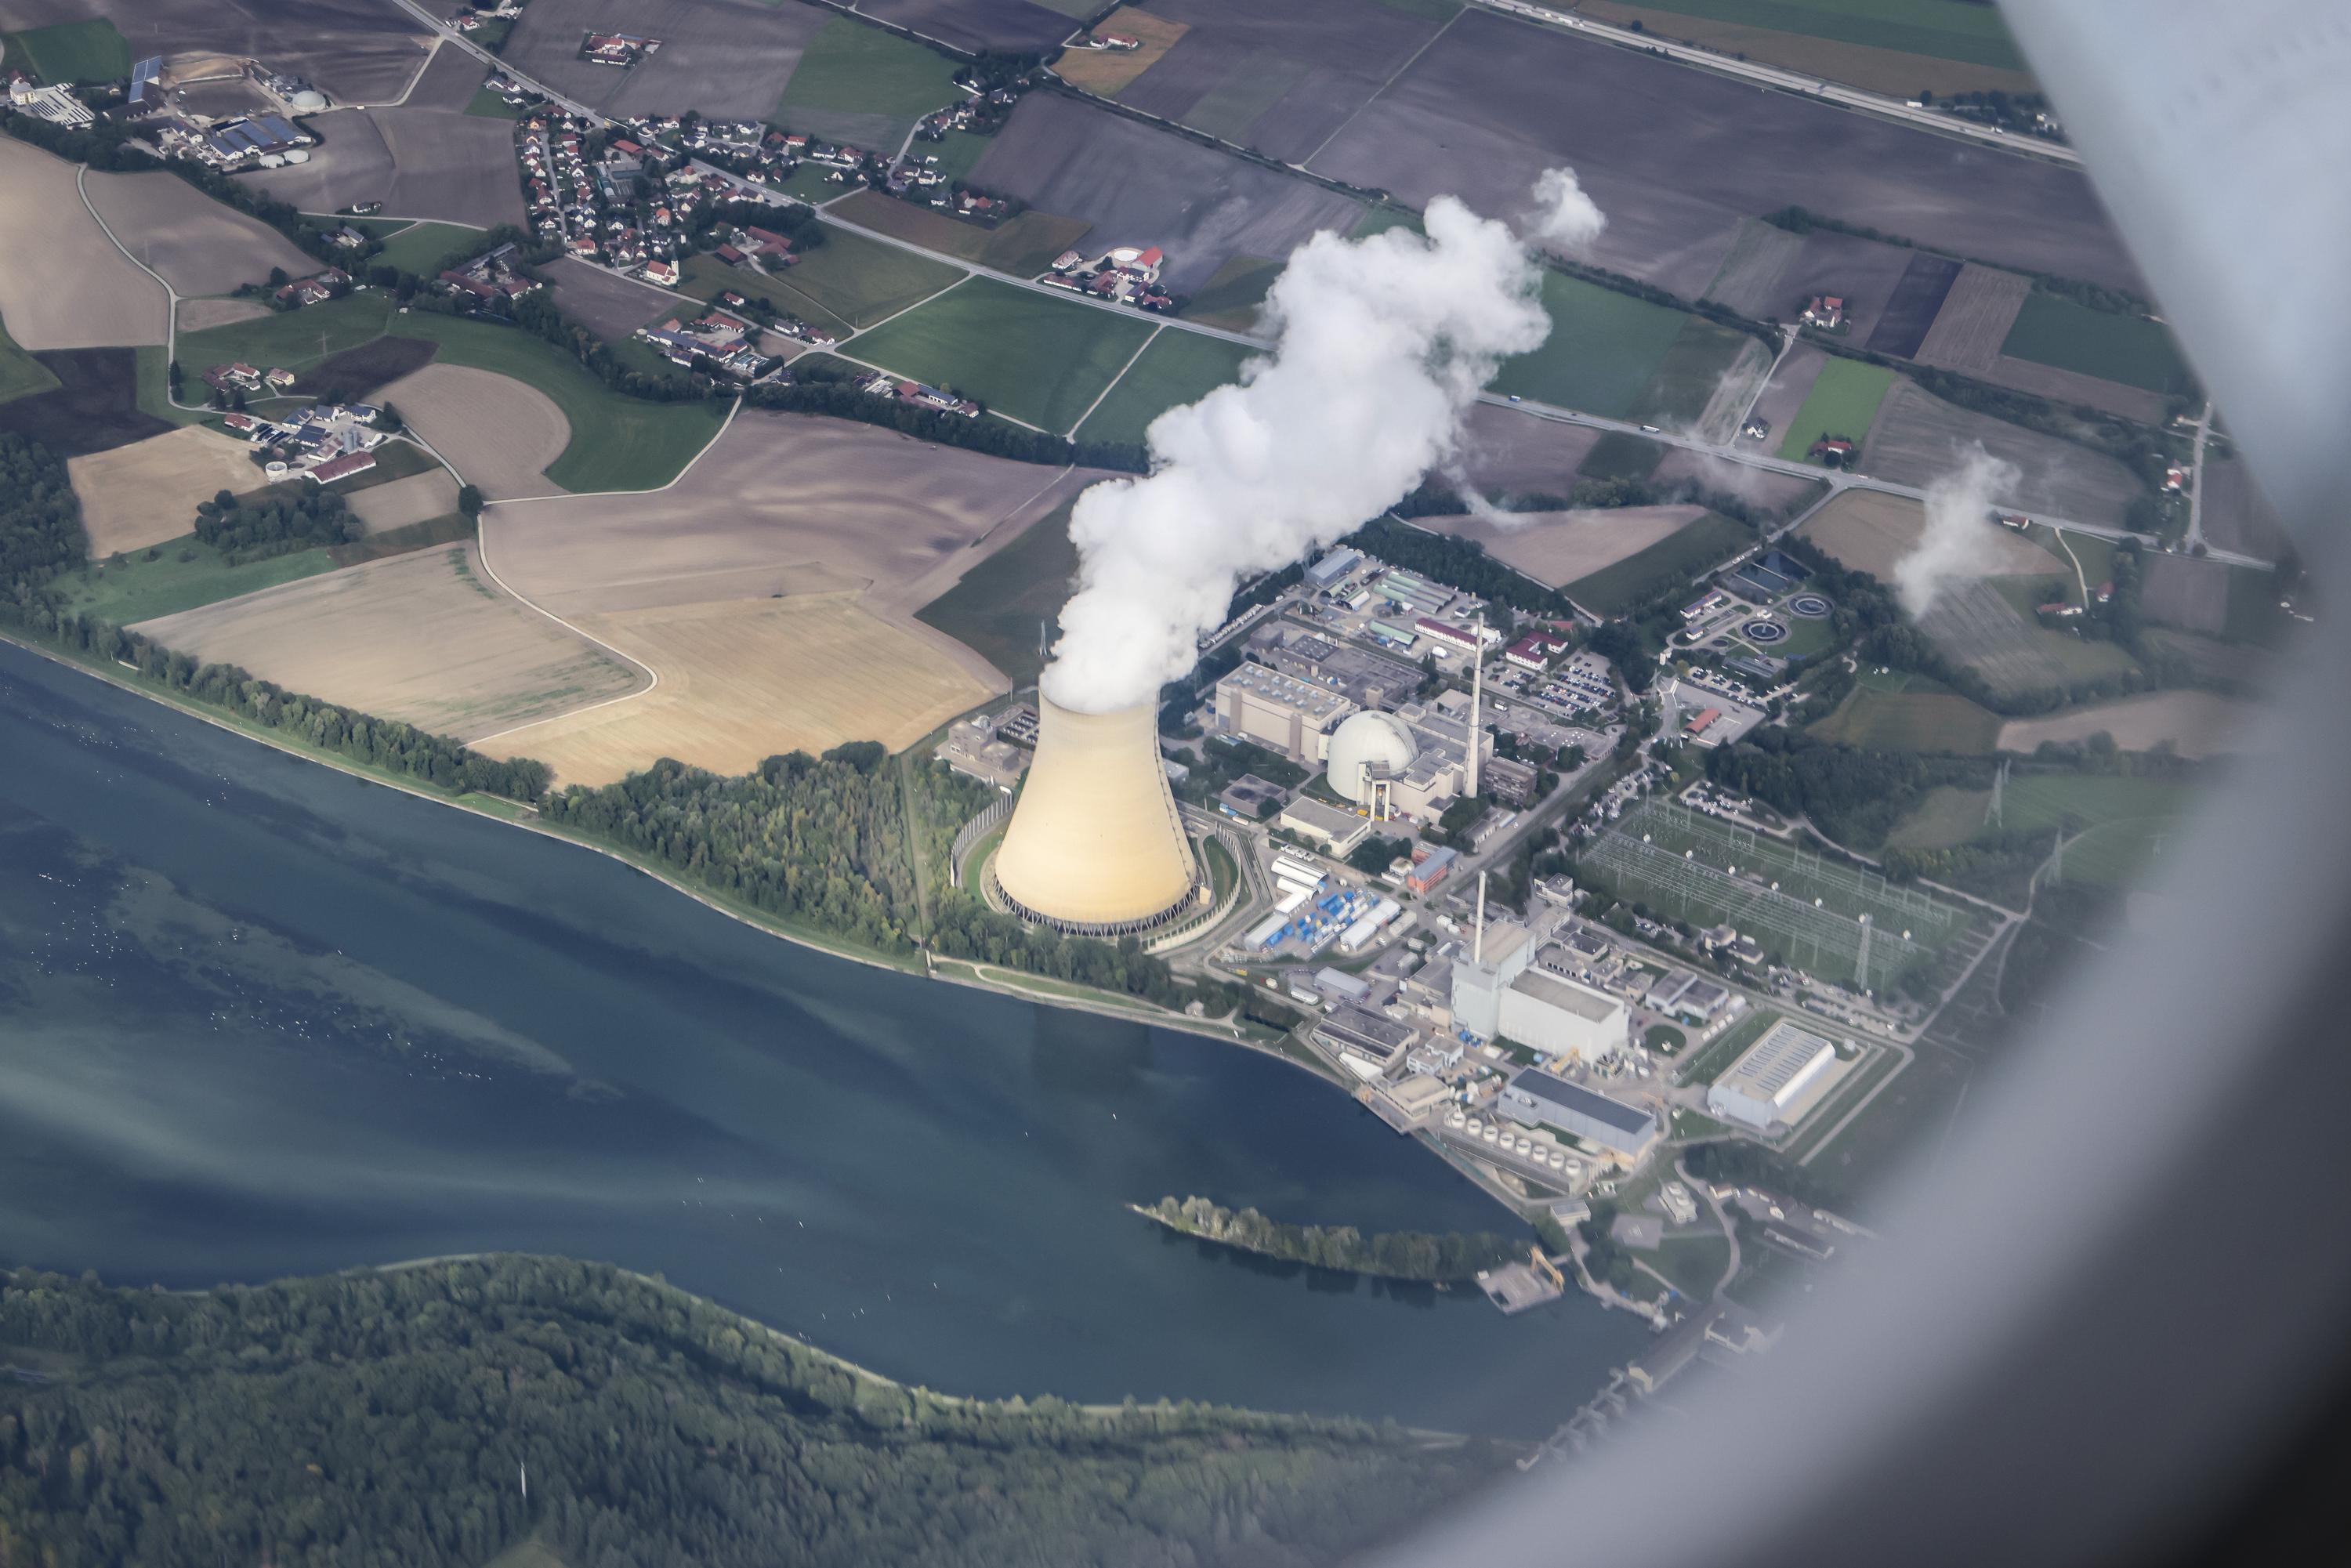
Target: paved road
[2196,484]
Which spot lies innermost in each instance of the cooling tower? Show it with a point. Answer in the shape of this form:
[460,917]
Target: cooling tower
[1095,847]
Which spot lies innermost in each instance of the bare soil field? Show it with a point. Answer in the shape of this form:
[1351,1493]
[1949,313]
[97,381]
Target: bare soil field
[1108,71]
[1917,437]
[145,493]
[1015,27]
[729,58]
[93,407]
[2070,387]
[1973,323]
[200,246]
[355,50]
[743,680]
[448,81]
[420,163]
[1780,492]
[195,315]
[356,374]
[1556,548]
[2185,594]
[2236,515]
[1911,309]
[1748,278]
[418,499]
[1139,185]
[1869,531]
[2197,724]
[1863,273]
[73,289]
[1785,393]
[498,432]
[425,637]
[1895,72]
[1975,625]
[613,305]
[1506,450]
[1677,157]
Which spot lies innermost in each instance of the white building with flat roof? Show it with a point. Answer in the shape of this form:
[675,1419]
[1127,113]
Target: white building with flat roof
[1775,1080]
[1555,1016]
[1280,712]
[1483,971]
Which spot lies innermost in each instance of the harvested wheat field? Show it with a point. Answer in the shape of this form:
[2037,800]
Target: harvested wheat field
[425,637]
[497,431]
[195,315]
[1108,71]
[200,246]
[145,493]
[415,500]
[745,679]
[1558,548]
[1869,531]
[73,289]
[2197,724]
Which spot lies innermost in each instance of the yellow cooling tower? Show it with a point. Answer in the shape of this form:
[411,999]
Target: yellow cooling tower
[1095,847]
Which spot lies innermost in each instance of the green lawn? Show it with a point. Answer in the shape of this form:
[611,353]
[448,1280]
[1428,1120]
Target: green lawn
[1001,605]
[1231,297]
[1667,565]
[1944,29]
[1694,1263]
[849,68]
[2132,349]
[20,373]
[142,588]
[489,105]
[1843,402]
[419,246]
[1178,366]
[847,282]
[1603,350]
[617,442]
[289,339]
[92,51]
[155,390]
[1025,353]
[1686,378]
[811,182]
[958,152]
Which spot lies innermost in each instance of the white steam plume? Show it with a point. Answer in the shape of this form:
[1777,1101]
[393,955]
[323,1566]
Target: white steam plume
[1564,215]
[1958,541]
[1381,348]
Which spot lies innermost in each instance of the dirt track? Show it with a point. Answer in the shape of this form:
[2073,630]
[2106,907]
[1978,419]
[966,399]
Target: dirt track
[496,431]
[69,288]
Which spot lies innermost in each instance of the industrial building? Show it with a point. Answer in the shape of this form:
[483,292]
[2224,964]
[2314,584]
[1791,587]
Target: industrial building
[1537,1098]
[1364,678]
[1279,712]
[1410,592]
[1555,1016]
[1332,568]
[1369,1046]
[1336,831]
[1485,971]
[1775,1080]
[1094,847]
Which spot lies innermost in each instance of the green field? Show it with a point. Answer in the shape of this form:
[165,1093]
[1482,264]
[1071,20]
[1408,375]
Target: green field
[1001,604]
[1805,639]
[20,373]
[617,442]
[1603,350]
[288,339]
[489,105]
[1843,402]
[2132,349]
[849,68]
[1230,298]
[1943,29]
[92,51]
[2122,821]
[1619,455]
[812,183]
[846,283]
[1667,565]
[419,246]
[1909,712]
[1946,816]
[2081,658]
[154,388]
[1037,359]
[1686,378]
[141,589]
[958,152]
[1177,368]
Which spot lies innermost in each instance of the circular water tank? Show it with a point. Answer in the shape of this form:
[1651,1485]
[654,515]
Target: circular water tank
[309,100]
[1364,739]
[297,155]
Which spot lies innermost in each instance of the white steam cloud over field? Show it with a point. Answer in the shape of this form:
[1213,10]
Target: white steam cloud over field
[1955,542]
[1382,346]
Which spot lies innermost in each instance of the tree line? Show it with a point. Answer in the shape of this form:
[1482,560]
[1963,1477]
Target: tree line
[383,1420]
[282,519]
[1390,1255]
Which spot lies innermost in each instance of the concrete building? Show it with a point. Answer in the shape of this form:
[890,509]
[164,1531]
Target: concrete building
[1279,712]
[1483,971]
[1336,831]
[1410,591]
[1369,1046]
[1559,1018]
[1247,798]
[1535,1097]
[1775,1080]
[1334,568]
[1366,679]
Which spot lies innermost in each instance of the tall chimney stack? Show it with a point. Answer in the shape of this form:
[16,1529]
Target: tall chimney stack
[1477,699]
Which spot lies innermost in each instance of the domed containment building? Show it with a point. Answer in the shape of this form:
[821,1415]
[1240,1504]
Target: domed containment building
[1095,848]
[1368,753]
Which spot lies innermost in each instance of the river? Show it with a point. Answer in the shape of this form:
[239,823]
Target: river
[260,1018]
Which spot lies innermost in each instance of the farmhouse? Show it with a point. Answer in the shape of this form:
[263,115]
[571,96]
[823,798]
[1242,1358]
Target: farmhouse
[316,289]
[1826,310]
[1833,450]
[621,49]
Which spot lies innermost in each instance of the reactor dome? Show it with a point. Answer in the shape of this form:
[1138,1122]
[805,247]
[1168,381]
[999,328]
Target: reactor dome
[309,100]
[1366,740]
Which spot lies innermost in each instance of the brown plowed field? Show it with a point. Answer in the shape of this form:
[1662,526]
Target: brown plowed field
[1869,531]
[2236,515]
[195,315]
[2197,724]
[611,306]
[2188,594]
[1975,318]
[200,246]
[1917,437]
[425,637]
[2071,387]
[1558,548]
[145,493]
[415,500]
[64,284]
[356,50]
[1504,449]
[496,431]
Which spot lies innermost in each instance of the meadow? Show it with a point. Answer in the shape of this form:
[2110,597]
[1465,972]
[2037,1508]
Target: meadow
[1908,712]
[20,373]
[1004,607]
[1674,560]
[1023,353]
[1177,368]
[847,282]
[2132,349]
[849,68]
[90,51]
[1603,350]
[420,247]
[1843,402]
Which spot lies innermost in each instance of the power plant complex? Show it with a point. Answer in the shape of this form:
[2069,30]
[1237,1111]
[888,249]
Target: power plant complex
[1094,847]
